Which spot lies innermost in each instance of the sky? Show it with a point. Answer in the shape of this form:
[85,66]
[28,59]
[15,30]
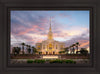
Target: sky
[68,26]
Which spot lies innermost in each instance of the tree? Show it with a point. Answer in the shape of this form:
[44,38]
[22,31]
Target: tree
[61,52]
[23,44]
[77,44]
[29,49]
[73,49]
[34,49]
[84,51]
[67,50]
[70,49]
[40,52]
[13,50]
[77,52]
[16,50]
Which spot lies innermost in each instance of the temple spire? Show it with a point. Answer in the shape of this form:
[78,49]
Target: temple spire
[50,35]
[50,24]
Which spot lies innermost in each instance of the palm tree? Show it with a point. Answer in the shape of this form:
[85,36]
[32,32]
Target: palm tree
[16,50]
[73,49]
[26,48]
[33,49]
[13,50]
[70,49]
[77,44]
[66,50]
[23,44]
[29,49]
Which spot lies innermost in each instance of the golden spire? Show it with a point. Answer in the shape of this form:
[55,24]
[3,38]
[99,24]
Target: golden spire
[50,24]
[50,36]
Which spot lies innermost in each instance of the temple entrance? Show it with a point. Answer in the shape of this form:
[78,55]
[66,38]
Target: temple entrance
[50,52]
[46,52]
[53,52]
[50,46]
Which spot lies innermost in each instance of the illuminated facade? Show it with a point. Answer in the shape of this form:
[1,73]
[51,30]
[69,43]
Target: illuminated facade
[50,46]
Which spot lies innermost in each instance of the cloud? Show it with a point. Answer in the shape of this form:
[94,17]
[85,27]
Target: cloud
[32,27]
[85,44]
[23,22]
[83,41]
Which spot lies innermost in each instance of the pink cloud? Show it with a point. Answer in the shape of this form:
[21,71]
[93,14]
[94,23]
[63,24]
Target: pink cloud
[84,44]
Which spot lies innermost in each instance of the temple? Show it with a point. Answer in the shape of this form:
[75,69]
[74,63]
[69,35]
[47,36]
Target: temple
[50,46]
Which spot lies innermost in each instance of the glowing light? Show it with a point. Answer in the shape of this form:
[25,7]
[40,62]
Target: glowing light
[50,57]
[88,49]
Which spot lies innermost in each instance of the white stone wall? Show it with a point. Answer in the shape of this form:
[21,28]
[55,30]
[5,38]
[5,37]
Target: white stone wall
[43,46]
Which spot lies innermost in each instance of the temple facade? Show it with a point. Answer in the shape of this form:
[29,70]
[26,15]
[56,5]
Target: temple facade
[50,46]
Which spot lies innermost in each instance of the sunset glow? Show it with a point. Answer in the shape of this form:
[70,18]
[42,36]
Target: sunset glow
[33,26]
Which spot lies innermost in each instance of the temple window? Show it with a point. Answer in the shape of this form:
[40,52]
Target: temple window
[61,46]
[56,46]
[38,46]
[43,46]
[50,46]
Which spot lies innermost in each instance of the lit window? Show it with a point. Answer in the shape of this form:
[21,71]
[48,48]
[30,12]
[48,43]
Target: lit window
[50,46]
[56,46]
[38,46]
[44,47]
[61,46]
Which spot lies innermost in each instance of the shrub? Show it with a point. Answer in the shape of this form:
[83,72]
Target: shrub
[29,61]
[70,61]
[84,51]
[39,61]
[64,61]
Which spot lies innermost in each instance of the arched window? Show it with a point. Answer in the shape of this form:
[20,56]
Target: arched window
[43,46]
[50,46]
[61,46]
[56,46]
[38,46]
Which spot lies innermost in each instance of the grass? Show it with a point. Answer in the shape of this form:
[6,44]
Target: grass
[62,61]
[51,61]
